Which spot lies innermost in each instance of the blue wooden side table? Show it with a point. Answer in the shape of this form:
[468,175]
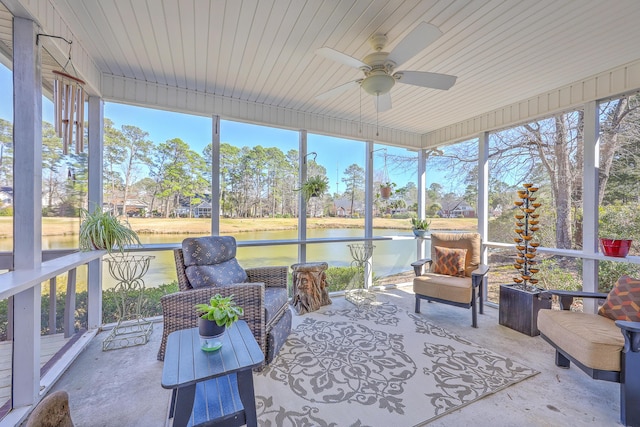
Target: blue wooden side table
[215,388]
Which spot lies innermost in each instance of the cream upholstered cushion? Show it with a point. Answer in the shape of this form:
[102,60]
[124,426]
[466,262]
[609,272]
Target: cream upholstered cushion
[469,241]
[450,288]
[595,341]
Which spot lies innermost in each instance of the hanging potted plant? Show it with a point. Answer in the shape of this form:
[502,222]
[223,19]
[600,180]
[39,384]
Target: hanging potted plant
[314,186]
[386,189]
[102,230]
[214,317]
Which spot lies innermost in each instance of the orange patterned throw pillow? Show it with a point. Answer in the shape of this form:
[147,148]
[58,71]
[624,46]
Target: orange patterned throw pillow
[449,261]
[623,302]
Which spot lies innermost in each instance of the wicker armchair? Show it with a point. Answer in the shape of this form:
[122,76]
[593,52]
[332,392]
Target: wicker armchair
[263,296]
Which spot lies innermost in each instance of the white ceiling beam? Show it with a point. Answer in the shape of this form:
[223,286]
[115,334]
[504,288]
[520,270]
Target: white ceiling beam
[608,84]
[153,95]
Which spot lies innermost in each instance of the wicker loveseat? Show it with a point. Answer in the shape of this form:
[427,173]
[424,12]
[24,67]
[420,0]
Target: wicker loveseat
[262,294]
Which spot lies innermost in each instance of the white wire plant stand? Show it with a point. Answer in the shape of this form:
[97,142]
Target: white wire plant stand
[132,328]
[356,291]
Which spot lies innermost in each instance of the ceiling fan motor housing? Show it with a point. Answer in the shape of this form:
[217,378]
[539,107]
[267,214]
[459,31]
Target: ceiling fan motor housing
[378,80]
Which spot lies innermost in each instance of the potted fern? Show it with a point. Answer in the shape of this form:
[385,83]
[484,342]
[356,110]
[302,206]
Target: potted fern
[214,317]
[102,230]
[314,186]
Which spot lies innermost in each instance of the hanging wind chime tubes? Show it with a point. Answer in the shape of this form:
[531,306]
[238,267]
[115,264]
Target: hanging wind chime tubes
[68,101]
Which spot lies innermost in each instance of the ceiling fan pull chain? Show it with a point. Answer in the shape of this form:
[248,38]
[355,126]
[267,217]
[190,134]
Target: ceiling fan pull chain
[377,112]
[360,130]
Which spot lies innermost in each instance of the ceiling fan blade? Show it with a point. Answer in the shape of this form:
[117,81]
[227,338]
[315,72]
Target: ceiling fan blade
[419,38]
[340,57]
[383,102]
[426,79]
[337,90]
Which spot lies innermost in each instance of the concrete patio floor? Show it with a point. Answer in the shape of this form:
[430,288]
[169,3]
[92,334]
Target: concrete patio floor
[122,387]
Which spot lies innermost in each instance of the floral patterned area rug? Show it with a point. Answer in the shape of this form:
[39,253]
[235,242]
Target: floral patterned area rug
[377,365]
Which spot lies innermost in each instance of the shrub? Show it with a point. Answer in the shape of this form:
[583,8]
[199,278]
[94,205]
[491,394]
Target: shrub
[619,222]
[338,278]
[151,296]
[404,215]
[610,271]
[553,275]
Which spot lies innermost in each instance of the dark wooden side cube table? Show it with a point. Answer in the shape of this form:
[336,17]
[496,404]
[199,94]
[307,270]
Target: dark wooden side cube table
[212,388]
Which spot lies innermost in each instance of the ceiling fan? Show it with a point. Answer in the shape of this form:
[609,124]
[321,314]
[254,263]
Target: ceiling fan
[379,67]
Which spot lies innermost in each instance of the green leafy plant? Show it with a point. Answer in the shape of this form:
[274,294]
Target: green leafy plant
[102,230]
[220,309]
[420,224]
[314,186]
[390,185]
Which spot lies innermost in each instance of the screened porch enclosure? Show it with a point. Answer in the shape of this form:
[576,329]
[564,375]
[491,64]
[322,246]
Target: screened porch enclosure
[529,76]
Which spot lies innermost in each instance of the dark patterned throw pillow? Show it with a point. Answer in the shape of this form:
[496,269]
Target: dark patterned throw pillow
[449,261]
[623,302]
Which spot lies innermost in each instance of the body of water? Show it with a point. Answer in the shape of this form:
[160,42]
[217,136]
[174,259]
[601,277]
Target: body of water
[389,257]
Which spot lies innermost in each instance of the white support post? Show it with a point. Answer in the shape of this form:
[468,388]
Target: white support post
[590,199]
[302,216]
[483,192]
[422,197]
[70,304]
[27,204]
[95,149]
[215,177]
[482,211]
[368,215]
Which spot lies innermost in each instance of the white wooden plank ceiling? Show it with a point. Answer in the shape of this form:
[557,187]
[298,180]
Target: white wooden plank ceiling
[263,51]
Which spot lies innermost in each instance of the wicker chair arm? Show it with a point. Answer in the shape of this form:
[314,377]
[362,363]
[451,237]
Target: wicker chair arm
[272,277]
[179,313]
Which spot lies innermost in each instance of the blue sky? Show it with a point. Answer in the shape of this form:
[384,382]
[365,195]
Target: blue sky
[334,154]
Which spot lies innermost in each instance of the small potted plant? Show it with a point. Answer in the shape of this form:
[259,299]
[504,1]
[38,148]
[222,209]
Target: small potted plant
[386,189]
[420,227]
[214,317]
[616,226]
[314,186]
[102,230]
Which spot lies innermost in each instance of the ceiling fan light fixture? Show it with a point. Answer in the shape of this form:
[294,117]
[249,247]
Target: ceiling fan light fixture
[378,84]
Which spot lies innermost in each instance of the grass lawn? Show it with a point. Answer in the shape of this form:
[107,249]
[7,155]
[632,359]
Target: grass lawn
[70,226]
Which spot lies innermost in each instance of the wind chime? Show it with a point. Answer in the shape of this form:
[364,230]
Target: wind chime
[68,101]
[68,104]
